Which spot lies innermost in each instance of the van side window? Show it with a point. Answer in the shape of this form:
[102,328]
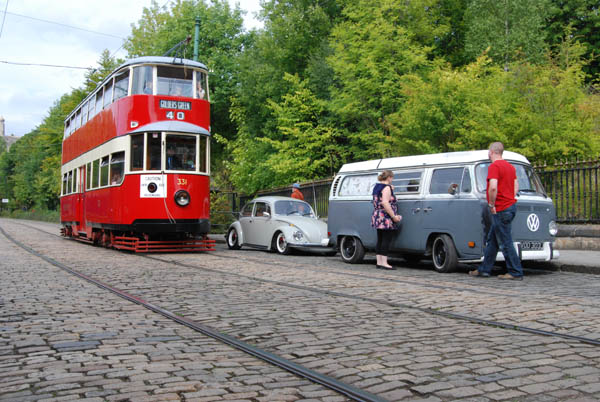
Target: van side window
[358,184]
[444,180]
[465,186]
[407,182]
[247,211]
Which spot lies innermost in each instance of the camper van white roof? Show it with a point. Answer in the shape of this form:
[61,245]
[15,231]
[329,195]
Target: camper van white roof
[430,159]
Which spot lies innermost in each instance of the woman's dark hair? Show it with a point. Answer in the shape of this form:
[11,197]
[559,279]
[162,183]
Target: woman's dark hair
[384,175]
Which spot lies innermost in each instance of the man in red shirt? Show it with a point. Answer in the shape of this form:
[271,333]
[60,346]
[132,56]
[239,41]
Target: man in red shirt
[502,188]
[296,193]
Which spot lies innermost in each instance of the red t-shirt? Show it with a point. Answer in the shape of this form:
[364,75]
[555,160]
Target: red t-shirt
[506,175]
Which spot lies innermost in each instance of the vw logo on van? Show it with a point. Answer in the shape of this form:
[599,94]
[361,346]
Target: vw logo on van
[533,222]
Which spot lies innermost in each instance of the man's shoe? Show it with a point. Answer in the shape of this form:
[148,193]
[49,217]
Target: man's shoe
[510,277]
[476,272]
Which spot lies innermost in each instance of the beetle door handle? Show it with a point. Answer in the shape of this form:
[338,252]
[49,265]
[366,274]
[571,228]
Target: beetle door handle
[416,210]
[428,209]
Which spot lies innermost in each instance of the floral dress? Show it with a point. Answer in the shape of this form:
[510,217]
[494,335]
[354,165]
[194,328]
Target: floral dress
[380,218]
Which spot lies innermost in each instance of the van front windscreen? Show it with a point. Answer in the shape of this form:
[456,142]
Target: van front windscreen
[529,181]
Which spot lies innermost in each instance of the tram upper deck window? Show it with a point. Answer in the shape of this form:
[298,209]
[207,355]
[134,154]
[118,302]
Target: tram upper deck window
[153,156]
[99,100]
[84,113]
[77,119]
[142,80]
[174,81]
[92,107]
[121,85]
[201,86]
[108,92]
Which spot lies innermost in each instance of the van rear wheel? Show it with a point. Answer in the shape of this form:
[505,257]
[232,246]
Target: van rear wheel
[444,256]
[351,249]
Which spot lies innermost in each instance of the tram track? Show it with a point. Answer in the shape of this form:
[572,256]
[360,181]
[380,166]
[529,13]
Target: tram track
[427,310]
[347,390]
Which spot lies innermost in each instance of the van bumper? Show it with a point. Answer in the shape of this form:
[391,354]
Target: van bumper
[546,253]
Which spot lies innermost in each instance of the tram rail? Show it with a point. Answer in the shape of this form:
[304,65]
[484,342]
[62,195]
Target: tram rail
[431,311]
[348,390]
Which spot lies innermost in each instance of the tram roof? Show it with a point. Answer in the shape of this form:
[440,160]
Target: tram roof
[161,60]
[428,160]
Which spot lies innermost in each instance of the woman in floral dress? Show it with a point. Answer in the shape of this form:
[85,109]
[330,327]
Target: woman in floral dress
[385,217]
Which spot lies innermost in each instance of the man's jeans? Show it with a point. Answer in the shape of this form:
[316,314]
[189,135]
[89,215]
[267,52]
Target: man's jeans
[500,236]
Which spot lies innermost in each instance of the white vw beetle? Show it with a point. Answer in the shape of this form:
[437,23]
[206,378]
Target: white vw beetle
[278,223]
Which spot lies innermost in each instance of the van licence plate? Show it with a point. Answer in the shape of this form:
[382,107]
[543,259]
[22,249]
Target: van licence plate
[532,245]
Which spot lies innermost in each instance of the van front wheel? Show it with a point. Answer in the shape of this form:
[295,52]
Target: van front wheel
[444,254]
[351,249]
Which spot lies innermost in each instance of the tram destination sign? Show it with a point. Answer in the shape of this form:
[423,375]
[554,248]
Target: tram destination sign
[171,104]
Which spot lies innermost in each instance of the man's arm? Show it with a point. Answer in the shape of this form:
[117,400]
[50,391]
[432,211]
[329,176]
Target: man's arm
[516,187]
[492,194]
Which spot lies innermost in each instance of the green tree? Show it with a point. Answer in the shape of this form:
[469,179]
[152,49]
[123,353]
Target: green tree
[507,28]
[373,53]
[541,111]
[294,41]
[581,19]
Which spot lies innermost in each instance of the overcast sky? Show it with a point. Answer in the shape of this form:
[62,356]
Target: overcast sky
[28,92]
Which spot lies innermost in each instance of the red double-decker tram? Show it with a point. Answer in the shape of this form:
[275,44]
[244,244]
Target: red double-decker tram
[135,159]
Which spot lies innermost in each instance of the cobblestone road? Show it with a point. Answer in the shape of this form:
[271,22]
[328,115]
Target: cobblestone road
[281,304]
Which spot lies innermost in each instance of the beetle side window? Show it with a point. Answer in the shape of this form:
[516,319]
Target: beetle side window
[261,208]
[247,211]
[446,181]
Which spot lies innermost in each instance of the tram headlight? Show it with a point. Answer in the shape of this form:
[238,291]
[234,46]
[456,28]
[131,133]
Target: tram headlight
[182,198]
[552,228]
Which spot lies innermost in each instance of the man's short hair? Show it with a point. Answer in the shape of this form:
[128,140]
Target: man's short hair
[497,148]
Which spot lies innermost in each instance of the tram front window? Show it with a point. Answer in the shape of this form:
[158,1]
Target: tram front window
[174,81]
[181,152]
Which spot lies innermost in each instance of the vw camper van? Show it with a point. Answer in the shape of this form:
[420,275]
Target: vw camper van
[441,198]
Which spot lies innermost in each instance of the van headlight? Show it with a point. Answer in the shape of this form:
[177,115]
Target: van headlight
[182,198]
[552,228]
[298,235]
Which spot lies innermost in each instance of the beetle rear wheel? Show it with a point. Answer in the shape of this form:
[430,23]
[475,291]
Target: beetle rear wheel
[444,254]
[351,249]
[233,240]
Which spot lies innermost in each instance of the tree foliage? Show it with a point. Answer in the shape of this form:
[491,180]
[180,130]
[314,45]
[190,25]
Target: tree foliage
[334,81]
[507,28]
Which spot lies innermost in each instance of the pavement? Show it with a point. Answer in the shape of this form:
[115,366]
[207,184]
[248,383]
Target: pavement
[579,247]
